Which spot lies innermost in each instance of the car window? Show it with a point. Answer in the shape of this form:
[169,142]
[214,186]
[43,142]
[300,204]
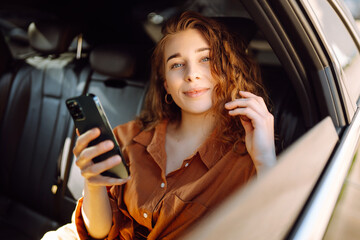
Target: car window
[341,44]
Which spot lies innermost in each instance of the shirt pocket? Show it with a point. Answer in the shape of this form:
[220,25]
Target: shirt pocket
[188,209]
[179,215]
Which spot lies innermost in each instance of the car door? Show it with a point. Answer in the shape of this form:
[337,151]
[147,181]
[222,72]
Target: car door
[339,37]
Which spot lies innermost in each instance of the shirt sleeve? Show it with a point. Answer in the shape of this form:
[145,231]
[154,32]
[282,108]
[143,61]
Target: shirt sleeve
[116,218]
[79,221]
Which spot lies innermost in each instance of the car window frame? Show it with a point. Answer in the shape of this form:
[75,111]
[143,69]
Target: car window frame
[314,57]
[349,104]
[303,56]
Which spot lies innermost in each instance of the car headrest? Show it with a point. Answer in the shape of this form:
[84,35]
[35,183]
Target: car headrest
[14,33]
[5,55]
[50,37]
[117,61]
[242,27]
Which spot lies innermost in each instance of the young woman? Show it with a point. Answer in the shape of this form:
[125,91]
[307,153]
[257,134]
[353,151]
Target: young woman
[204,132]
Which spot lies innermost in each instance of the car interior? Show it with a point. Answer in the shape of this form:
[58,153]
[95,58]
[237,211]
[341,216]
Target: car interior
[47,56]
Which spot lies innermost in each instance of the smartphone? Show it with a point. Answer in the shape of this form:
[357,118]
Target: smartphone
[87,113]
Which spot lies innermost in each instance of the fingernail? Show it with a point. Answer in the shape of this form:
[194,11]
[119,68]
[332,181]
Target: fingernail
[116,159]
[108,144]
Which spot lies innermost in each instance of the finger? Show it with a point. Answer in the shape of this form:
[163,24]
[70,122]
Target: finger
[259,99]
[90,153]
[236,103]
[246,124]
[240,102]
[245,120]
[97,168]
[253,116]
[84,139]
[107,181]
[247,103]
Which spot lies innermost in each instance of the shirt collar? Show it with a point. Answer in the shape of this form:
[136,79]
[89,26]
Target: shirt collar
[154,140]
[212,150]
[147,138]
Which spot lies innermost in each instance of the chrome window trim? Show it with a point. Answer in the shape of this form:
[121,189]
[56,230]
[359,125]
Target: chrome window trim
[317,213]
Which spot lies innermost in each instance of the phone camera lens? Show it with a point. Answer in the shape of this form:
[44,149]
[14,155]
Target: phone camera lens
[75,110]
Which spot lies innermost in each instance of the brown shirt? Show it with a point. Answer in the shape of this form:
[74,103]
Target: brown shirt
[157,206]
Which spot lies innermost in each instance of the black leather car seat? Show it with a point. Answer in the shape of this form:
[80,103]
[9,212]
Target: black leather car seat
[289,124]
[33,131]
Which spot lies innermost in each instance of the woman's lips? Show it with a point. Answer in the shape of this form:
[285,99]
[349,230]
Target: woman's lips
[196,92]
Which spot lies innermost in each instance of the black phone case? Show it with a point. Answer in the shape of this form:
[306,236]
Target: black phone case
[87,113]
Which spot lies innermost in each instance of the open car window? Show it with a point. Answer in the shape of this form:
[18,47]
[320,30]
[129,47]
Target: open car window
[268,207]
[342,46]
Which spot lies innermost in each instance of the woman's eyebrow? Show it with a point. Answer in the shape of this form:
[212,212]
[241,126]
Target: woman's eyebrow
[202,49]
[173,56]
[179,55]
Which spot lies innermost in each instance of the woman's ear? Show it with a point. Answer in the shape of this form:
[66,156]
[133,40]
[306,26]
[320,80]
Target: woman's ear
[165,86]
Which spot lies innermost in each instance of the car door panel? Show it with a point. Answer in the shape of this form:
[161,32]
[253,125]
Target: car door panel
[317,213]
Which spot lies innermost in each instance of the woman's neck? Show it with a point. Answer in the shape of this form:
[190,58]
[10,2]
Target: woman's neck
[194,126]
[184,138]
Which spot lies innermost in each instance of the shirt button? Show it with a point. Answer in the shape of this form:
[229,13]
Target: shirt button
[162,185]
[145,215]
[186,164]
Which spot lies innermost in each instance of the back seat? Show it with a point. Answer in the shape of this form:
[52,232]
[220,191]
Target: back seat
[34,127]
[36,136]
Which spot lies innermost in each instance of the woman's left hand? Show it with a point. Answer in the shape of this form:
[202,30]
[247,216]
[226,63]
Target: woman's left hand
[258,123]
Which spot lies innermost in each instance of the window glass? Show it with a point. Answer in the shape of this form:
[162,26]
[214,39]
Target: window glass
[342,45]
[354,7]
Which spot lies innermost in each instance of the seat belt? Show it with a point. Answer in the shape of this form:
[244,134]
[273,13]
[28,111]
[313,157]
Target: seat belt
[66,156]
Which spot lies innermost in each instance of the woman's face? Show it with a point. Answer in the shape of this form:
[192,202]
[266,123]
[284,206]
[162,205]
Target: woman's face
[188,77]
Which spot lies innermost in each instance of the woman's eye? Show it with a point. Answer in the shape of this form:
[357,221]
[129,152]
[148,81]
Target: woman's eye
[176,65]
[205,59]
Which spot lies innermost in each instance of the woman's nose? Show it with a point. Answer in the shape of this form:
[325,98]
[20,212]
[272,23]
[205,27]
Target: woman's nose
[192,74]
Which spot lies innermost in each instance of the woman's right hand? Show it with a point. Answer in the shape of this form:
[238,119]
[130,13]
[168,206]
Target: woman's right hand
[96,209]
[90,170]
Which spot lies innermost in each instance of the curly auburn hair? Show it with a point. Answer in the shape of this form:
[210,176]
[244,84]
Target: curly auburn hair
[231,67]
